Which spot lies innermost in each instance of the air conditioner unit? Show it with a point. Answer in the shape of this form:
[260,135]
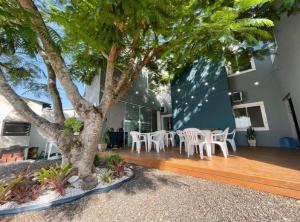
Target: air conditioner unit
[237,97]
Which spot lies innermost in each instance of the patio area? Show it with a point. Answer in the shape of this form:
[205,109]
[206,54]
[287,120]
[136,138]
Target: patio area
[271,170]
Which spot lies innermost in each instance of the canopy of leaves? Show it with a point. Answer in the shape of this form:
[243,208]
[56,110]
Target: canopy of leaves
[184,29]
[18,49]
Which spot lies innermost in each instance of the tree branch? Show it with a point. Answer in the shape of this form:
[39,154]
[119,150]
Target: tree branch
[129,76]
[80,105]
[108,87]
[59,116]
[24,110]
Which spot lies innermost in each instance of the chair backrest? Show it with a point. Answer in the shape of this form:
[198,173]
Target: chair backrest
[135,135]
[160,135]
[221,137]
[232,134]
[180,134]
[192,135]
[172,134]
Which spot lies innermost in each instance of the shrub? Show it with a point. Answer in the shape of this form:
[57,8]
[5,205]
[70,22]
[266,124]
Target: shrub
[73,124]
[113,160]
[20,188]
[97,161]
[107,176]
[119,170]
[26,190]
[6,186]
[116,163]
[55,177]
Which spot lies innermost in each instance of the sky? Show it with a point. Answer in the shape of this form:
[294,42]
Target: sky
[38,61]
[66,103]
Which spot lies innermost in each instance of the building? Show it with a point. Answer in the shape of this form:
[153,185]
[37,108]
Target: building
[263,94]
[139,110]
[15,130]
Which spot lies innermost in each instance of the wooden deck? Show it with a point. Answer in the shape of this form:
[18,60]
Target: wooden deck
[271,170]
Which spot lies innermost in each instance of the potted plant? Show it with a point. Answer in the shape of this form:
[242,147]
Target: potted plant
[73,125]
[251,137]
[104,141]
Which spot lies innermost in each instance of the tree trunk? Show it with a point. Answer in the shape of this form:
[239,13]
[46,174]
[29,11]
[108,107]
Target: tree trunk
[91,136]
[80,151]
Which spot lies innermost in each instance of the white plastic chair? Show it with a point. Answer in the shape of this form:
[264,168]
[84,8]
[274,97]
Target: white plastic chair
[51,148]
[221,140]
[171,138]
[143,139]
[136,141]
[181,139]
[195,139]
[157,138]
[230,139]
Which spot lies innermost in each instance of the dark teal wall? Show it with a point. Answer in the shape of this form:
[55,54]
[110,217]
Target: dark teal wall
[216,111]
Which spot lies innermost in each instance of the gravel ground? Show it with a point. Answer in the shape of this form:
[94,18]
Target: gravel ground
[155,195]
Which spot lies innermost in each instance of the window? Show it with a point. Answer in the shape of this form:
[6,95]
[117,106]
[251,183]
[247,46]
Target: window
[250,114]
[237,67]
[16,129]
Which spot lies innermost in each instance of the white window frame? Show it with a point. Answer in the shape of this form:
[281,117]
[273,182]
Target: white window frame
[231,74]
[263,113]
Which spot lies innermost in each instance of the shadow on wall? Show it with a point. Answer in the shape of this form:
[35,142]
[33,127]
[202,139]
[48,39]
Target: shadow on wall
[200,97]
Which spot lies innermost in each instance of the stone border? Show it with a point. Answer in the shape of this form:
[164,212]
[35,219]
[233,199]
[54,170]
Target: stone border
[65,200]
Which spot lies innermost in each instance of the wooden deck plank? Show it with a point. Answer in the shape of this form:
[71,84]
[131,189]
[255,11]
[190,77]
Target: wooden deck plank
[271,170]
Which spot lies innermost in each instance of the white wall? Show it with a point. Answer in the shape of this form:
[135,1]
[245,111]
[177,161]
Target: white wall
[36,138]
[287,60]
[137,95]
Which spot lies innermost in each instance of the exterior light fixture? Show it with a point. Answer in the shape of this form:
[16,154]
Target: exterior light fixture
[256,83]
[213,88]
[206,83]
[229,93]
[186,103]
[206,100]
[136,92]
[192,97]
[178,90]
[176,101]
[200,104]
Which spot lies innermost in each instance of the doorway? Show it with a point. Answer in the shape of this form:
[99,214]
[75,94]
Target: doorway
[292,114]
[166,122]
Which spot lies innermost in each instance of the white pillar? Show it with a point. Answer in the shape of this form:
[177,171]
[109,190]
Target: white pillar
[158,119]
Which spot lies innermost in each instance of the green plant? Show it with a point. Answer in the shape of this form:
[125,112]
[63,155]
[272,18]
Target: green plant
[73,124]
[107,176]
[6,186]
[119,170]
[105,138]
[26,190]
[250,135]
[116,163]
[55,177]
[19,188]
[97,160]
[113,160]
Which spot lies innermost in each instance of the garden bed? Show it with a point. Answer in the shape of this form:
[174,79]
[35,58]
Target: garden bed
[56,184]
[50,198]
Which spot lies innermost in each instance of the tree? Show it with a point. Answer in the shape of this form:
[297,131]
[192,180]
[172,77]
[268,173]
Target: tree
[122,37]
